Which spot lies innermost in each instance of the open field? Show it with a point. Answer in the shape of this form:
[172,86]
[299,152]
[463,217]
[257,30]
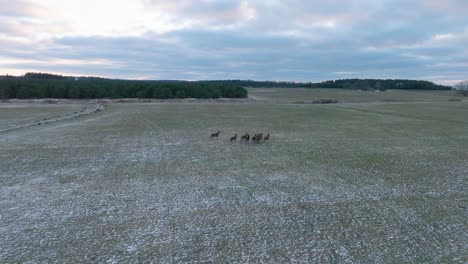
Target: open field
[12,115]
[362,182]
[347,96]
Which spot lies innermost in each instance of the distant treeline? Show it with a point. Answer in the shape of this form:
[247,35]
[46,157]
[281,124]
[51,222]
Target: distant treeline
[377,84]
[356,84]
[43,85]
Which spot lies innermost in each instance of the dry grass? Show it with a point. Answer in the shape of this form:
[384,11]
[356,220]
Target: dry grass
[336,183]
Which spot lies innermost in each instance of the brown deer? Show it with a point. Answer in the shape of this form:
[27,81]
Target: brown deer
[215,135]
[257,138]
[234,138]
[245,137]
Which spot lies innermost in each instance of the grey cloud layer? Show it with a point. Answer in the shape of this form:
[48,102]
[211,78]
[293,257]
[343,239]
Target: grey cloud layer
[293,40]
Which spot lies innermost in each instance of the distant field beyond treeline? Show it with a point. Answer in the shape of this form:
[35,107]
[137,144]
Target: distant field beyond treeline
[43,85]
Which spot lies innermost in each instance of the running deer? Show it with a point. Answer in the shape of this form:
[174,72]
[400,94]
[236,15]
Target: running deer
[215,135]
[244,137]
[257,138]
[234,138]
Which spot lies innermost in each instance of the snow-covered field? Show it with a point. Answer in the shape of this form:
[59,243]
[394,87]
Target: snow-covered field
[357,183]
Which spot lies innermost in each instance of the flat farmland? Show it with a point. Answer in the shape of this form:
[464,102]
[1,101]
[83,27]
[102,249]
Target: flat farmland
[361,182]
[349,96]
[13,115]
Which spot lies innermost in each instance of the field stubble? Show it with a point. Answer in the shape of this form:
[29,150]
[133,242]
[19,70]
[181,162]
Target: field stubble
[139,182]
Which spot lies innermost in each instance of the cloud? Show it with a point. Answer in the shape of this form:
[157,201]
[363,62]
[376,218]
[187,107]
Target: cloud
[19,8]
[214,13]
[206,39]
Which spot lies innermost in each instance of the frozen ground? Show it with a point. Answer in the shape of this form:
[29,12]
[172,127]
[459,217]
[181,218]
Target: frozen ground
[349,96]
[358,183]
[14,115]
[20,116]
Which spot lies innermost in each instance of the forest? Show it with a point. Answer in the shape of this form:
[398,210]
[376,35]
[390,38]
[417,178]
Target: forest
[356,84]
[41,85]
[44,85]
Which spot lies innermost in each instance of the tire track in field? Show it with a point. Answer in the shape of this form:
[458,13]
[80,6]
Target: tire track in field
[54,119]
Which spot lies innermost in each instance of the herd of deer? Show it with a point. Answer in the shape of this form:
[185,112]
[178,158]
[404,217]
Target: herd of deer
[257,138]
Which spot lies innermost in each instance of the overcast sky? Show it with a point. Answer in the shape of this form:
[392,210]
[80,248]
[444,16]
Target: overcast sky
[295,40]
